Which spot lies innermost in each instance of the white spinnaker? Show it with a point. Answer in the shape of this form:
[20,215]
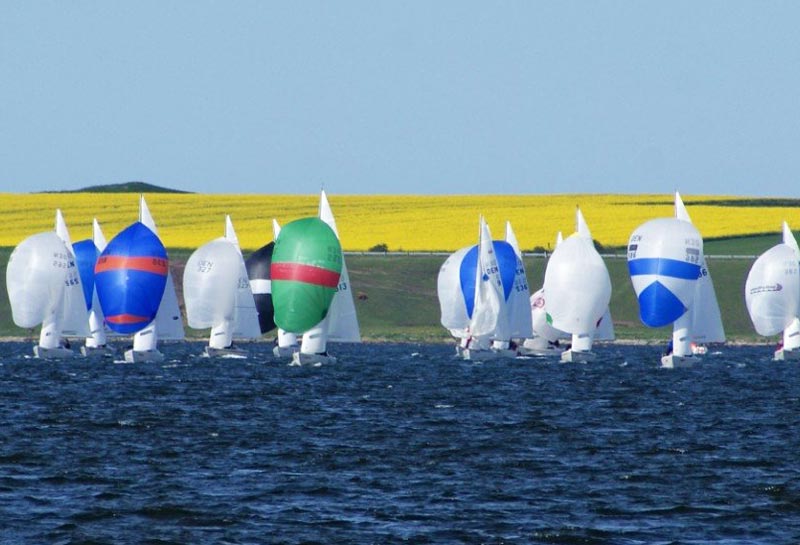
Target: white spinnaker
[772,290]
[36,278]
[210,282]
[577,285]
[605,327]
[451,299]
[489,316]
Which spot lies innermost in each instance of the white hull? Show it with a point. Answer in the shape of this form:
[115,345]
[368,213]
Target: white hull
[97,351]
[233,353]
[787,355]
[577,356]
[58,353]
[675,362]
[284,352]
[554,352]
[484,354]
[540,346]
[299,358]
[143,356]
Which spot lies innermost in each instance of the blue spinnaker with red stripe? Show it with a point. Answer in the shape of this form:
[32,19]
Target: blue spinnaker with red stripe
[664,262]
[130,278]
[86,254]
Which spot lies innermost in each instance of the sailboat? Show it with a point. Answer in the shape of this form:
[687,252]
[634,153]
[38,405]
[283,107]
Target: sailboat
[772,295]
[258,264]
[544,339]
[136,291]
[472,299]
[341,323]
[672,283]
[44,287]
[305,272]
[86,253]
[578,289]
[217,294]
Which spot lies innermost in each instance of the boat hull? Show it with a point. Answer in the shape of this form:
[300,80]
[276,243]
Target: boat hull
[58,353]
[97,351]
[232,353]
[471,354]
[672,361]
[299,358]
[143,356]
[787,355]
[284,352]
[577,356]
[540,352]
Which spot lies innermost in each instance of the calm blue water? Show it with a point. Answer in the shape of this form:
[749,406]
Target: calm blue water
[400,444]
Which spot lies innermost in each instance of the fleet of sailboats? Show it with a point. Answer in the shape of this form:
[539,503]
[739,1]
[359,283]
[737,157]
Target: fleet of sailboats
[299,284]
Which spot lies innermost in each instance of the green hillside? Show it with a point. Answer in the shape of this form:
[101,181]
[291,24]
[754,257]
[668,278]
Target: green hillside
[396,295]
[124,187]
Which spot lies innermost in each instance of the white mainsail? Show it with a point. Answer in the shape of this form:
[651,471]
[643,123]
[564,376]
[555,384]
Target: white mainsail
[518,301]
[706,321]
[97,329]
[74,320]
[489,316]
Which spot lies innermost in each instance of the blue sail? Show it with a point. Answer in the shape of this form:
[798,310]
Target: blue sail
[86,254]
[130,277]
[506,260]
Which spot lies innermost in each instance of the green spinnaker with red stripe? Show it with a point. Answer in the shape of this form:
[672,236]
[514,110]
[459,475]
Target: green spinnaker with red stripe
[305,270]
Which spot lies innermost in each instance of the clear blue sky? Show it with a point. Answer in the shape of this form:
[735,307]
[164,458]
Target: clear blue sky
[402,97]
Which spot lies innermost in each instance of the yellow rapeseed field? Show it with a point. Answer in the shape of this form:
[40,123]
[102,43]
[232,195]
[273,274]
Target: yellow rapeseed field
[402,222]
